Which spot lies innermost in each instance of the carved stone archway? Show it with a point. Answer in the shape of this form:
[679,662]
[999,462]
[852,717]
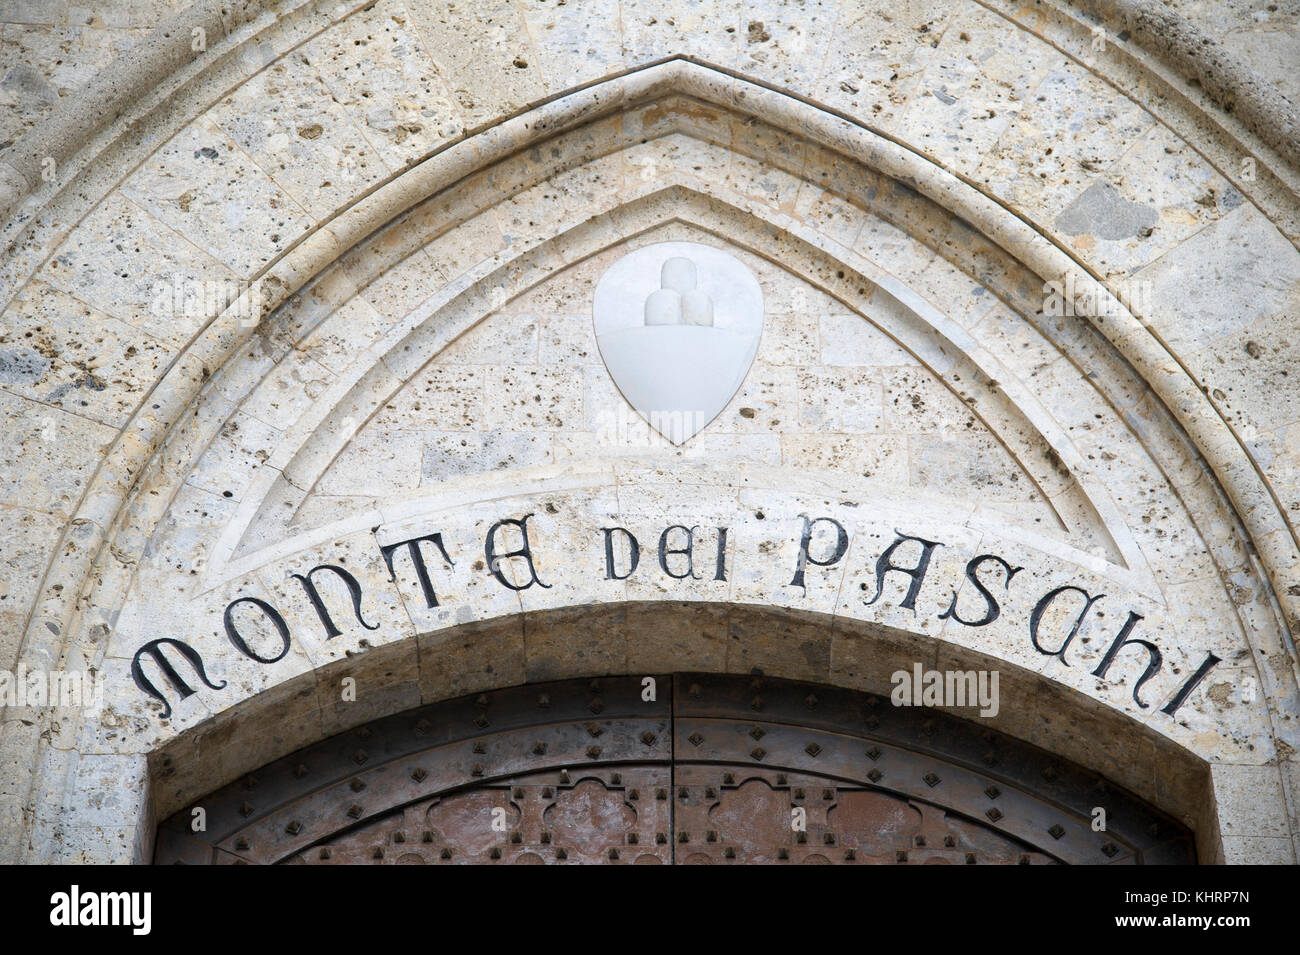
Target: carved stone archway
[125,578]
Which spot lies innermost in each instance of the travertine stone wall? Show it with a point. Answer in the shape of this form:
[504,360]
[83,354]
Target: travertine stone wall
[415,201]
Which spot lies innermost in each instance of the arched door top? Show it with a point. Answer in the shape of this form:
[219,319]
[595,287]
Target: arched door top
[682,768]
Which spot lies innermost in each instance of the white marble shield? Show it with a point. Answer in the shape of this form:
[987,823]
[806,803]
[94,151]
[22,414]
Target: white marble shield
[678,325]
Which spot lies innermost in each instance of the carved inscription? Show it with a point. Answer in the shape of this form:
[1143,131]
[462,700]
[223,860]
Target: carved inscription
[168,668]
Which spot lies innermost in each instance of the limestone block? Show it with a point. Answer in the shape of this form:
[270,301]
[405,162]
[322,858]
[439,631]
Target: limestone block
[876,56]
[287,121]
[486,60]
[203,186]
[376,67]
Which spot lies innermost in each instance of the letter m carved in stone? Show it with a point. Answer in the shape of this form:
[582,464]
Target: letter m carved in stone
[154,650]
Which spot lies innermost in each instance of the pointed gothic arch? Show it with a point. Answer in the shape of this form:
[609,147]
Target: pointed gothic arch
[140,481]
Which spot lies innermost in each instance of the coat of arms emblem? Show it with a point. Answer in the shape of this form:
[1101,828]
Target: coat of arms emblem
[678,326]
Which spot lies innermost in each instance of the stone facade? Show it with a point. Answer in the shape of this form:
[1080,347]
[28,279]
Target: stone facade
[290,284]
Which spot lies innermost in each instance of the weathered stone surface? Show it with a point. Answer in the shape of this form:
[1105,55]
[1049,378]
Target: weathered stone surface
[428,195]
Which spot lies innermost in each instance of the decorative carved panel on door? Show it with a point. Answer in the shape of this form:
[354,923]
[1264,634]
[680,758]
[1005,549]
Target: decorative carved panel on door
[715,770]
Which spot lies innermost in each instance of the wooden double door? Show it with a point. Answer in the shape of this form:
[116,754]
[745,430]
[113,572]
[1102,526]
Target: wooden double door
[668,769]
